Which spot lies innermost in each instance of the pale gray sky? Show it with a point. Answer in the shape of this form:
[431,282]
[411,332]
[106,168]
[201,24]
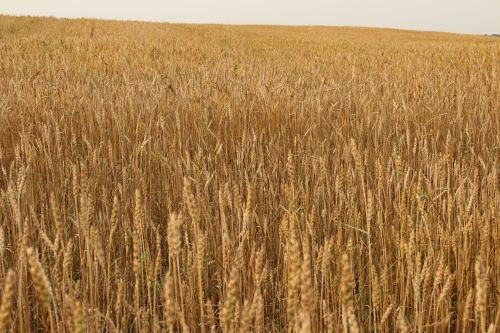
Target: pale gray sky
[465,16]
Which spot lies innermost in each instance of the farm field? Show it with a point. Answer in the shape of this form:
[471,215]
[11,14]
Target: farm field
[210,178]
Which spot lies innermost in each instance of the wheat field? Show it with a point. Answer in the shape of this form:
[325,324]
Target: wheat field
[208,178]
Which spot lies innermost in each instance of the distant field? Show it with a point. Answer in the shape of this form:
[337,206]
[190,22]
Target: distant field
[206,178]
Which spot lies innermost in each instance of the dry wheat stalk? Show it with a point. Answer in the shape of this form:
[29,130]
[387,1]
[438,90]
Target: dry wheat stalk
[7,298]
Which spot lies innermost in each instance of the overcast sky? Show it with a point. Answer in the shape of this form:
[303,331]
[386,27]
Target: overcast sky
[465,16]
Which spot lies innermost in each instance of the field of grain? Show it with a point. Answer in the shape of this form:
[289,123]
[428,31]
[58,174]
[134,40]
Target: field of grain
[181,178]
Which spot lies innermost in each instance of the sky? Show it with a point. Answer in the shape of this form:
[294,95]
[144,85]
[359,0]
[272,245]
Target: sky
[461,16]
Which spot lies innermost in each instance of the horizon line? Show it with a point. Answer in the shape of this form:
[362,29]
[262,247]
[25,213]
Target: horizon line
[153,21]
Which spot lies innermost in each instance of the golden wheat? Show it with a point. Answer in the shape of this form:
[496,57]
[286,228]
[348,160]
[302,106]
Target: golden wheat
[207,178]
